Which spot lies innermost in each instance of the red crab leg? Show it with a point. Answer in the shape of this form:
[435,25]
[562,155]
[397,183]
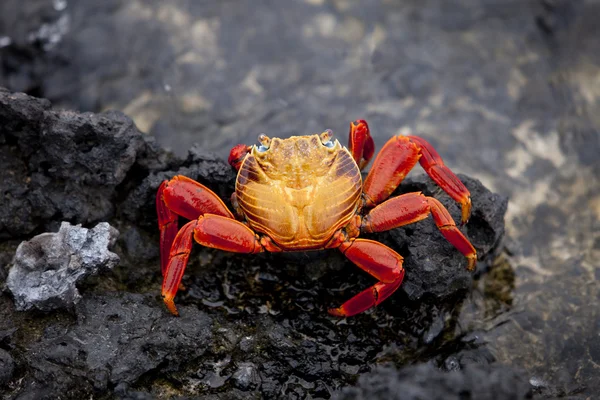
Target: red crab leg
[446,224]
[360,143]
[167,224]
[396,158]
[237,154]
[378,260]
[214,231]
[434,166]
[188,198]
[413,207]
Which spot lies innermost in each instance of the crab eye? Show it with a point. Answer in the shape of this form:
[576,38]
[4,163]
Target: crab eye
[265,143]
[327,138]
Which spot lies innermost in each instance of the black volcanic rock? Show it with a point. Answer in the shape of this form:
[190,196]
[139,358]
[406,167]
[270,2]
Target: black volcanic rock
[250,325]
[7,367]
[116,340]
[439,269]
[64,165]
[89,157]
[423,381]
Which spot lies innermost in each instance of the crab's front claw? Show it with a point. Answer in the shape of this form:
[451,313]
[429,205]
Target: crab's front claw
[360,143]
[237,154]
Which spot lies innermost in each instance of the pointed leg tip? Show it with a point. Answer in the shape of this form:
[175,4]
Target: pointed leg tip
[337,312]
[471,262]
[171,306]
[466,211]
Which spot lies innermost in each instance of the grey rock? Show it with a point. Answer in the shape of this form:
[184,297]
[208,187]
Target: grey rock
[206,168]
[50,153]
[423,381]
[47,268]
[480,356]
[305,355]
[504,93]
[117,338]
[434,330]
[7,367]
[246,376]
[433,266]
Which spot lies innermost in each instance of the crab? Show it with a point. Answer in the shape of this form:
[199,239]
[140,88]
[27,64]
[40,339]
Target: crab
[307,193]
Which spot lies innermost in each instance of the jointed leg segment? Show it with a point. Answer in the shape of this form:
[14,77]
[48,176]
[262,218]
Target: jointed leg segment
[212,225]
[188,198]
[446,225]
[382,263]
[397,157]
[412,207]
[434,166]
[209,230]
[177,260]
[167,224]
[393,162]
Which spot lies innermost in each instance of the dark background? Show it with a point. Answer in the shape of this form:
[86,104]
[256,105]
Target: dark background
[507,91]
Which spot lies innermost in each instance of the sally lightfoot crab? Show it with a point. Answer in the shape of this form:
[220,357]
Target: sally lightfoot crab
[307,193]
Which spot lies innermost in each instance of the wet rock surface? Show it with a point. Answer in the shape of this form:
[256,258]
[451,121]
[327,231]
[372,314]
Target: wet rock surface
[7,367]
[426,382]
[506,93]
[115,340]
[46,269]
[439,271]
[249,324]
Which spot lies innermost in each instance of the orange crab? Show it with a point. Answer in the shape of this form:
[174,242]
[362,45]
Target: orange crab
[306,193]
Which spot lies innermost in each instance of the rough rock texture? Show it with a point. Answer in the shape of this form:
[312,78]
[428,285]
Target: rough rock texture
[506,91]
[58,152]
[114,342]
[7,367]
[250,325]
[425,382]
[47,268]
[439,270]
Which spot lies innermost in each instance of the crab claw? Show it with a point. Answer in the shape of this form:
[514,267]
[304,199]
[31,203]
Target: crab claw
[360,143]
[237,154]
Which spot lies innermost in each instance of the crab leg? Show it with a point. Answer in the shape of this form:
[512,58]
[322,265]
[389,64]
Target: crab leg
[360,143]
[397,157]
[188,198]
[237,154]
[434,166]
[378,260]
[412,207]
[167,224]
[214,231]
[446,225]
